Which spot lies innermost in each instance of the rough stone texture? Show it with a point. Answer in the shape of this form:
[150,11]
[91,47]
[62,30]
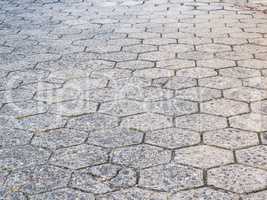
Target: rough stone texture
[139,99]
[79,156]
[172,138]
[204,193]
[170,177]
[230,138]
[238,178]
[204,156]
[141,156]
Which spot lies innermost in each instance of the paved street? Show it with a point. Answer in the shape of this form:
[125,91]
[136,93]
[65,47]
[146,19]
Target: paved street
[133,100]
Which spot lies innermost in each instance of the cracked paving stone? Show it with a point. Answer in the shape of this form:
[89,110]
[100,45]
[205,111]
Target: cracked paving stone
[103,178]
[170,177]
[15,95]
[73,108]
[253,156]
[197,72]
[216,63]
[198,94]
[59,138]
[66,193]
[230,138]
[245,94]
[79,156]
[122,107]
[134,193]
[147,121]
[11,195]
[180,82]
[36,179]
[42,122]
[250,122]
[141,156]
[203,156]
[14,137]
[255,196]
[172,138]
[116,137]
[153,73]
[3,176]
[204,193]
[201,122]
[135,64]
[174,106]
[238,178]
[219,82]
[23,156]
[224,107]
[93,121]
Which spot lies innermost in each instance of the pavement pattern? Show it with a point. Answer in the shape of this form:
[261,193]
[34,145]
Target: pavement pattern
[133,100]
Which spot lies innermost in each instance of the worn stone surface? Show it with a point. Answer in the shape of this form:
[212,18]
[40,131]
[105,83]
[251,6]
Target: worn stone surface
[133,99]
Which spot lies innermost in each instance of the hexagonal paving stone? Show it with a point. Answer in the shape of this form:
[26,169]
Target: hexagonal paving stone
[23,156]
[102,179]
[117,137]
[259,107]
[224,107]
[216,63]
[256,82]
[177,48]
[238,178]
[253,156]
[42,122]
[141,156]
[201,122]
[195,55]
[122,108]
[213,47]
[154,73]
[135,64]
[157,56]
[134,193]
[255,196]
[79,156]
[174,106]
[203,156]
[148,93]
[172,138]
[245,94]
[92,122]
[147,121]
[239,72]
[204,193]
[180,82]
[251,122]
[73,108]
[38,179]
[139,48]
[13,137]
[58,138]
[113,73]
[231,138]
[253,63]
[175,64]
[220,82]
[234,55]
[198,94]
[170,177]
[67,194]
[197,72]
[118,56]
